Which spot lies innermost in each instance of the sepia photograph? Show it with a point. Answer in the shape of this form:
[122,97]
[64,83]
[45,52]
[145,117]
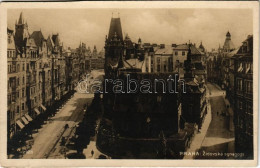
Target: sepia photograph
[130,83]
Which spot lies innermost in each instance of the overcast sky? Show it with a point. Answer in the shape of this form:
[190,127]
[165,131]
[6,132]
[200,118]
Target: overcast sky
[151,25]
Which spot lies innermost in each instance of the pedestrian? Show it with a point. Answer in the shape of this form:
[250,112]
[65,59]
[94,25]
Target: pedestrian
[92,152]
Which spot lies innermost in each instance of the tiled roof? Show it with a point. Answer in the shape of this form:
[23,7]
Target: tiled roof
[182,47]
[38,38]
[56,40]
[194,50]
[167,50]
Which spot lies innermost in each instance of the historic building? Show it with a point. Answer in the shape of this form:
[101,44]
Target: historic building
[213,64]
[141,124]
[163,59]
[28,54]
[194,104]
[13,101]
[180,55]
[243,98]
[37,74]
[44,70]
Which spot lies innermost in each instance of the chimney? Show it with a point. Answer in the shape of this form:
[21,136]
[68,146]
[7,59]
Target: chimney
[174,45]
[162,45]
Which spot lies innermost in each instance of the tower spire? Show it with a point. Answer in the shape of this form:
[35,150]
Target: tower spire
[21,18]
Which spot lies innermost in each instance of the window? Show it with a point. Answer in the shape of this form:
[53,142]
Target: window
[18,67]
[18,81]
[249,87]
[249,107]
[240,122]
[8,54]
[239,85]
[183,53]
[22,106]
[158,60]
[240,104]
[158,68]
[23,66]
[9,39]
[18,110]
[23,93]
[165,68]
[176,52]
[23,80]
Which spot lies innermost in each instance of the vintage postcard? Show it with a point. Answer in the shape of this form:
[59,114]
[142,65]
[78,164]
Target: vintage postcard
[129,84]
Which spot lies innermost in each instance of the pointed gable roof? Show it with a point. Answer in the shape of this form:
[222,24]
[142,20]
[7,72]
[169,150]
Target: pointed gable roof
[56,40]
[20,21]
[38,38]
[194,50]
[115,27]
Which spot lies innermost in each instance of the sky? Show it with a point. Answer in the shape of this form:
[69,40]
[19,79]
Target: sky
[161,26]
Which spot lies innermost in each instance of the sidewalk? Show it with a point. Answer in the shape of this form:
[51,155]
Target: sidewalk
[230,113]
[199,137]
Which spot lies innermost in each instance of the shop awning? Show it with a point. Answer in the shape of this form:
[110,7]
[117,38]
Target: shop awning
[19,123]
[44,108]
[37,111]
[25,121]
[28,117]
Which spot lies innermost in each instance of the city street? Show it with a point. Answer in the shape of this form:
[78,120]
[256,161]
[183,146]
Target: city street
[46,141]
[218,137]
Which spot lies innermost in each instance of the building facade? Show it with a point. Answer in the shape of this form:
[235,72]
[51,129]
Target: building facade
[39,74]
[243,98]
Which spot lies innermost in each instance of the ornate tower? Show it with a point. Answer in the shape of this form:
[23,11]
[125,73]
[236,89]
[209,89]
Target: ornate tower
[228,44]
[21,33]
[114,45]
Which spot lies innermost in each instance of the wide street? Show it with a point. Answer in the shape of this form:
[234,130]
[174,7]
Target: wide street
[46,140]
[218,137]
